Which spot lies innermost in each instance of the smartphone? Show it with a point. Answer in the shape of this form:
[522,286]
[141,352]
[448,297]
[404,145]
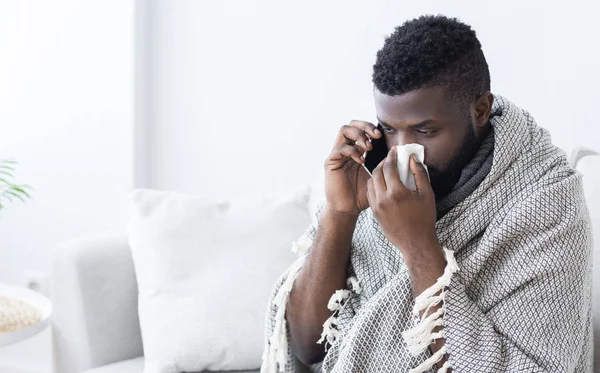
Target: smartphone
[377,154]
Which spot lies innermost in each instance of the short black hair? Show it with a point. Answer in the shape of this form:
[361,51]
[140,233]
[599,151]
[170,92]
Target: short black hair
[432,51]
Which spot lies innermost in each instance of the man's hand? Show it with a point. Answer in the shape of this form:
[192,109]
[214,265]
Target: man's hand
[326,268]
[345,177]
[407,217]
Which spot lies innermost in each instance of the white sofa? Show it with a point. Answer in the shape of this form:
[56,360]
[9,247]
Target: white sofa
[95,324]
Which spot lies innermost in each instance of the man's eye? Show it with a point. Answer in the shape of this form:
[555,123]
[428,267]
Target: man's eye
[389,129]
[425,132]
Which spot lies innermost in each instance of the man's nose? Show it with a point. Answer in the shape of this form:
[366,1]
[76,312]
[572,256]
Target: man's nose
[402,139]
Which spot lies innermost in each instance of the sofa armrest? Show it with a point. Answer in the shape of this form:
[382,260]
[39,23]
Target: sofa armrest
[94,297]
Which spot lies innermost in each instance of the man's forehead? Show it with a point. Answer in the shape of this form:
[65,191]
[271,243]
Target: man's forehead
[412,107]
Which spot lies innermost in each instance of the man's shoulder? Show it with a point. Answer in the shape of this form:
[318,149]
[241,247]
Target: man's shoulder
[557,194]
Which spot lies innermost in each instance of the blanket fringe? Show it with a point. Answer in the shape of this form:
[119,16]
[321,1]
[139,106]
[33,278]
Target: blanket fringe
[336,303]
[444,367]
[422,335]
[275,351]
[354,285]
[302,246]
[429,363]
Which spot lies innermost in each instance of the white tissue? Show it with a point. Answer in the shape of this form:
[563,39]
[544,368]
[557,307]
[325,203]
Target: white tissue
[404,152]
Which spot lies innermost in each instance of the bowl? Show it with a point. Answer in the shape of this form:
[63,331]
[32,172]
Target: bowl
[33,298]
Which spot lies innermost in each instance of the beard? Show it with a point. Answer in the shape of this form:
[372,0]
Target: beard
[444,179]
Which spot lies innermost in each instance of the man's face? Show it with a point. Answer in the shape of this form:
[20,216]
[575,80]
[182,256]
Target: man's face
[428,117]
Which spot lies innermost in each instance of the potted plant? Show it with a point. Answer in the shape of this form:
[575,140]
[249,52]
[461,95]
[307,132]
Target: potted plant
[10,190]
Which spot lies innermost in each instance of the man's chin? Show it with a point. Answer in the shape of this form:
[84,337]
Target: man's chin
[442,184]
[440,193]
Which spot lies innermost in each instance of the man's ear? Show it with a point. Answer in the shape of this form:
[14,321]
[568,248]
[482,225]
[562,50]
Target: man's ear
[482,109]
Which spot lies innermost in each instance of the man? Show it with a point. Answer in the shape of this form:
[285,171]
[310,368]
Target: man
[485,267]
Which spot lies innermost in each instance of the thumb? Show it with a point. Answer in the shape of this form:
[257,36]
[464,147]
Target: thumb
[420,174]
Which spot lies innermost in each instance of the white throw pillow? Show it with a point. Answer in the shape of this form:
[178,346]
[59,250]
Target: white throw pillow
[205,271]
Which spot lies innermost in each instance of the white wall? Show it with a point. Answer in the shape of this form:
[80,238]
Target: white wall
[249,94]
[66,113]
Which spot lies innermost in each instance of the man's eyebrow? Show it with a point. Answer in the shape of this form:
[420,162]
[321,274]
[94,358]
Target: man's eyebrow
[412,126]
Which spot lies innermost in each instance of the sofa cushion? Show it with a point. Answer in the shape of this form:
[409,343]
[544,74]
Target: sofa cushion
[133,366]
[126,366]
[205,272]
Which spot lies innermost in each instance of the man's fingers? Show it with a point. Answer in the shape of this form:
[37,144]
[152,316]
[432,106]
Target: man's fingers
[379,178]
[352,135]
[347,151]
[391,173]
[367,127]
[420,174]
[371,194]
[353,141]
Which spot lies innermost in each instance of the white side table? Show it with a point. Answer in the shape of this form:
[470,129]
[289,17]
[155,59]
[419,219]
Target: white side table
[33,298]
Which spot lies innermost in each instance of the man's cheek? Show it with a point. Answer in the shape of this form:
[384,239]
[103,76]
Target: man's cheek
[434,174]
[433,167]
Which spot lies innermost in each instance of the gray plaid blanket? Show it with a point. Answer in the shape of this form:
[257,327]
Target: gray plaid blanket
[517,300]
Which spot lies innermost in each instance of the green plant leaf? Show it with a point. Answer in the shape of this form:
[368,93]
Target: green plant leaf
[16,195]
[21,190]
[8,189]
